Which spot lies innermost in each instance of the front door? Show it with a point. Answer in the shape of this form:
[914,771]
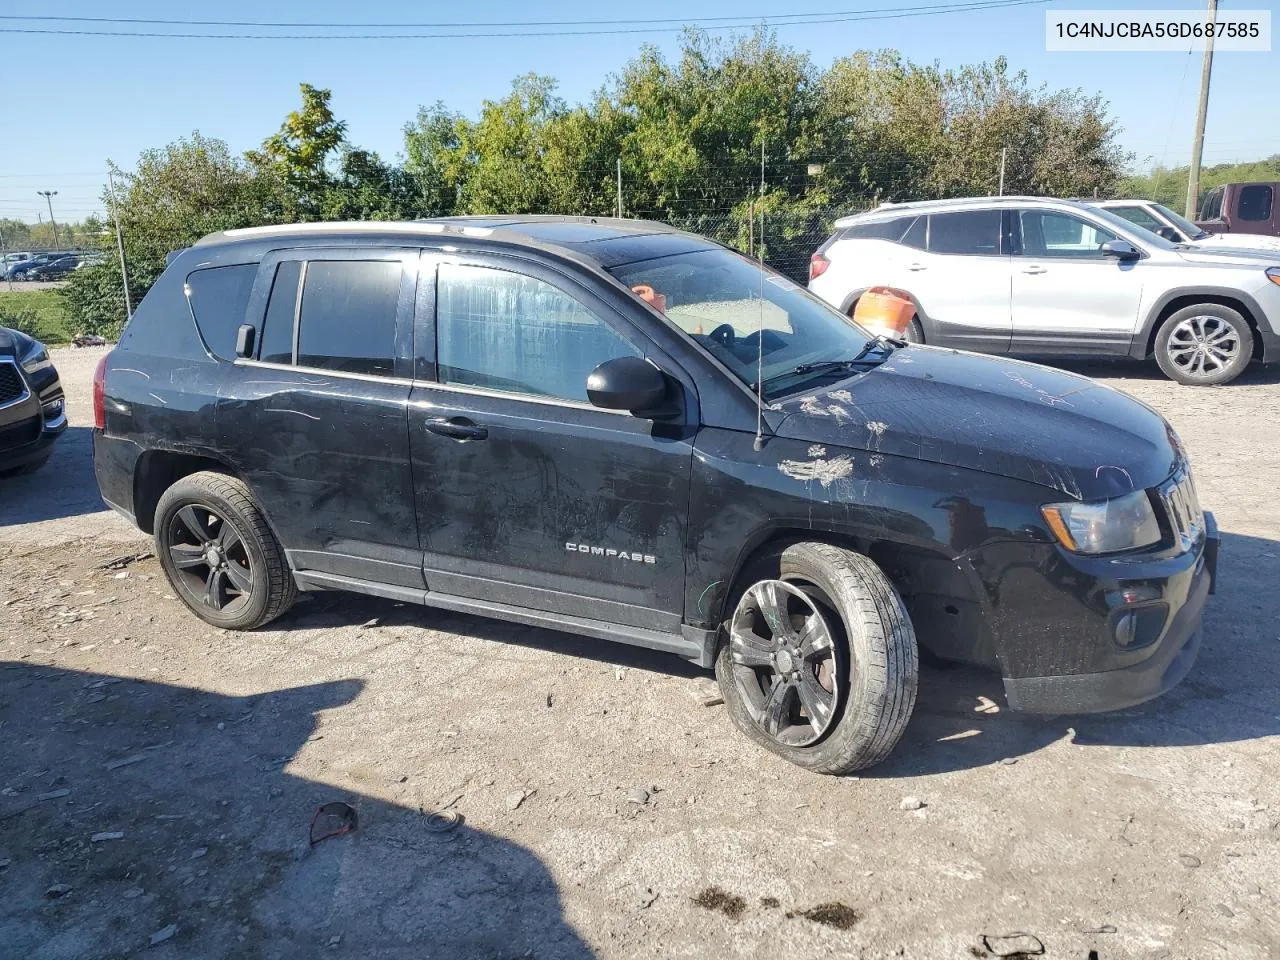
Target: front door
[1068,297]
[528,495]
[317,418]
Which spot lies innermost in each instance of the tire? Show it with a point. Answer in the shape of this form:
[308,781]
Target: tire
[252,583]
[1204,344]
[914,332]
[873,673]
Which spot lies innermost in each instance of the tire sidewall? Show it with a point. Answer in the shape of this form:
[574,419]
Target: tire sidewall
[1226,314]
[185,493]
[791,563]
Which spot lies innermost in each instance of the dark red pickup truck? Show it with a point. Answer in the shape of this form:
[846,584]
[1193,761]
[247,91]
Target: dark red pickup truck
[1241,208]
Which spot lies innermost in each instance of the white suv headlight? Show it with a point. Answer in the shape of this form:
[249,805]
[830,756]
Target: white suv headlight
[1104,526]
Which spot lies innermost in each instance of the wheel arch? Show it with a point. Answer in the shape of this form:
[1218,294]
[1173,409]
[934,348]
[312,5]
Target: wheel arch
[1175,300]
[941,596]
[158,470]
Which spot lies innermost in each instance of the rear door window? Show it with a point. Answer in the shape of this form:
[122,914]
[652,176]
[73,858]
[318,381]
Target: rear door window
[1255,202]
[347,320]
[219,297]
[969,232]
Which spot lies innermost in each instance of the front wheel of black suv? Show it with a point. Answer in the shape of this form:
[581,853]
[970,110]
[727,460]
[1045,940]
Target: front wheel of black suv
[819,661]
[219,553]
[1204,344]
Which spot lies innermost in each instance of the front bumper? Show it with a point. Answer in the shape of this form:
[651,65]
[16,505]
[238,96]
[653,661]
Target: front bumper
[1165,663]
[27,433]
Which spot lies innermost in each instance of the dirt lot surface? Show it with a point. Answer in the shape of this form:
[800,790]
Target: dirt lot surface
[158,777]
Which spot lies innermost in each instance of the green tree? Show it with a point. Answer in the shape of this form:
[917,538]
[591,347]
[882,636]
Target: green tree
[176,195]
[301,149]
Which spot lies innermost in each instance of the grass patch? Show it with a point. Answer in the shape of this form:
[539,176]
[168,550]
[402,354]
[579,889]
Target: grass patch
[40,313]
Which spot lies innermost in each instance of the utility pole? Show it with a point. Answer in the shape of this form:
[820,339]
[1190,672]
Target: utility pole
[1004,152]
[115,213]
[762,167]
[619,188]
[1197,145]
[48,196]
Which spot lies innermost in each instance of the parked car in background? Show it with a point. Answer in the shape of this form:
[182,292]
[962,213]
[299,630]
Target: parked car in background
[632,433]
[20,270]
[33,411]
[1241,208]
[1042,277]
[15,256]
[1162,221]
[54,269]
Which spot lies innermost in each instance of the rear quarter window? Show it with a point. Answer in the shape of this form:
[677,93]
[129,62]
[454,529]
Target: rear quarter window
[219,297]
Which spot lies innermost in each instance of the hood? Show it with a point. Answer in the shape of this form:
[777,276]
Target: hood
[9,342]
[1234,257]
[1002,417]
[1243,242]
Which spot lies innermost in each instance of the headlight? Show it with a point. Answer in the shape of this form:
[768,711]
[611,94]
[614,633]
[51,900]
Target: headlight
[34,357]
[1106,526]
[1273,274]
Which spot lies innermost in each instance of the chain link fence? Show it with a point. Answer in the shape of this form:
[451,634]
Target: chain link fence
[785,239]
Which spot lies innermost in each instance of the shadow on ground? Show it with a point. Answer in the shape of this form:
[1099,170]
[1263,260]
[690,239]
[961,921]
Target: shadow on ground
[213,837]
[63,487]
[1230,695]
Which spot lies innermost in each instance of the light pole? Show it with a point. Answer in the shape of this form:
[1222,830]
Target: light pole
[48,196]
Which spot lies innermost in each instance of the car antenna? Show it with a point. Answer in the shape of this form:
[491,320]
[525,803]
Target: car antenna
[758,445]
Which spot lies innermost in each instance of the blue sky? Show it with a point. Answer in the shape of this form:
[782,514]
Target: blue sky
[74,101]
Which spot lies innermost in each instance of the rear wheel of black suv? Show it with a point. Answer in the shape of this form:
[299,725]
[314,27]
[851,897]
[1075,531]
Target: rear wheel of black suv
[819,662]
[219,553]
[1204,344]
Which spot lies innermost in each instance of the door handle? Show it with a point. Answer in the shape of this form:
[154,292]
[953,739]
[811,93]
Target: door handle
[458,428]
[917,266]
[1035,268]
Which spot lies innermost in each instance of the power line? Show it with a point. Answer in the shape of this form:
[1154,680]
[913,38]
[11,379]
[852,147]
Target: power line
[922,9]
[648,28]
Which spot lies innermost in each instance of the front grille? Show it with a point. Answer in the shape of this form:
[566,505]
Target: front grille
[1182,507]
[12,387]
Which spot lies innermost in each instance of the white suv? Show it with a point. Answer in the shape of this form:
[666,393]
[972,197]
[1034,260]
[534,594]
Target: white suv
[1038,277]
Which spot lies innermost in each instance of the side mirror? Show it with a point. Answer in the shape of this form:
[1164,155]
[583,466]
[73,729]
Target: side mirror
[1169,234]
[626,383]
[246,337]
[1121,250]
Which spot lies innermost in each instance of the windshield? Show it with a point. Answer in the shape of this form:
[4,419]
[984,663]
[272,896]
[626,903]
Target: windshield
[740,313]
[1182,223]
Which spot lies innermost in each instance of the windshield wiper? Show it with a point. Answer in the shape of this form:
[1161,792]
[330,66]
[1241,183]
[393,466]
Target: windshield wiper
[878,342]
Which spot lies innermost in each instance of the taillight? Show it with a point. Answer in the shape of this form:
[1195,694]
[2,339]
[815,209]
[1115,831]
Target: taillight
[818,266]
[99,393]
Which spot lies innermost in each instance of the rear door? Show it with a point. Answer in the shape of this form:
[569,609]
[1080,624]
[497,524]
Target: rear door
[527,494]
[316,420]
[961,279]
[1068,297]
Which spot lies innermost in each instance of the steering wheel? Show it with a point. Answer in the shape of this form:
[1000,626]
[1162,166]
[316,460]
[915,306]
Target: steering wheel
[724,336]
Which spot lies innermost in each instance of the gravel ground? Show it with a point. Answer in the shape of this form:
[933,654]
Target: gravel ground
[158,777]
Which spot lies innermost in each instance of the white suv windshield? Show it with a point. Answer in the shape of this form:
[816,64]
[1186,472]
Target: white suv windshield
[744,315]
[1182,223]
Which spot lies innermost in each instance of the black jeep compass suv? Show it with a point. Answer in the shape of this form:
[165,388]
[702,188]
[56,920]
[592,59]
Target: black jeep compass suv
[632,433]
